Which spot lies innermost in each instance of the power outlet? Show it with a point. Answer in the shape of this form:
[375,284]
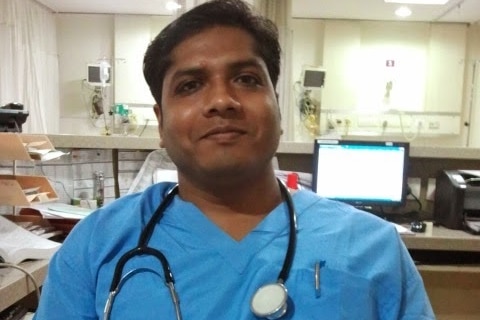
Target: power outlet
[419,124]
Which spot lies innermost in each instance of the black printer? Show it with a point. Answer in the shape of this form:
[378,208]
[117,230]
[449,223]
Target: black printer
[12,117]
[457,199]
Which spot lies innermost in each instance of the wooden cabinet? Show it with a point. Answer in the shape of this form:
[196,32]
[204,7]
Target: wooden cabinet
[449,262]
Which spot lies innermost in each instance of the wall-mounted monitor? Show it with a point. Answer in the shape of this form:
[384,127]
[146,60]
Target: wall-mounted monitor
[313,78]
[361,173]
[98,72]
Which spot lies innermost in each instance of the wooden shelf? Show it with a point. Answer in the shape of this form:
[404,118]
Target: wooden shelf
[14,145]
[13,187]
[22,190]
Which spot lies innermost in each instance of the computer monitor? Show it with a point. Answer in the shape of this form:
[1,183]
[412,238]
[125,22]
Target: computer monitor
[361,173]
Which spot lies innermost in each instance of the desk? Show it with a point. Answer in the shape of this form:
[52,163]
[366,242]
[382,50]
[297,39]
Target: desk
[443,239]
[453,281]
[14,284]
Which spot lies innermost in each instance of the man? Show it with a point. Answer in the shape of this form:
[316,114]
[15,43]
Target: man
[229,228]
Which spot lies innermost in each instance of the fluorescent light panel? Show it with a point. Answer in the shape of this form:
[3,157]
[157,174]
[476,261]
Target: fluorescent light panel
[172,6]
[437,2]
[403,12]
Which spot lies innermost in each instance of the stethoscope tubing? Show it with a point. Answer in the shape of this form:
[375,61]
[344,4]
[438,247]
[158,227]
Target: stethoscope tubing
[156,217]
[292,236]
[142,248]
[138,251]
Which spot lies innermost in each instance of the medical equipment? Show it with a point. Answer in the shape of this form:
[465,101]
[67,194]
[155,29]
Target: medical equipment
[99,74]
[312,78]
[269,301]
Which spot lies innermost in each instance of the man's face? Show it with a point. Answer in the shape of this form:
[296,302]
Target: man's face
[219,115]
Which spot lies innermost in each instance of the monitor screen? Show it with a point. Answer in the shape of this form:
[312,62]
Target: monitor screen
[94,74]
[313,78]
[361,173]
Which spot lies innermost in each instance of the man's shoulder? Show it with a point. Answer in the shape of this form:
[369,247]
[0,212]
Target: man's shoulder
[316,211]
[127,207]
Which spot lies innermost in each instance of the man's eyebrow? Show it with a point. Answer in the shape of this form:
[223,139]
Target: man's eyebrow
[253,62]
[235,65]
[188,72]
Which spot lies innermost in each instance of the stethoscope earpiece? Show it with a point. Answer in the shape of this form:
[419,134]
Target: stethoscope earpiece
[270,301]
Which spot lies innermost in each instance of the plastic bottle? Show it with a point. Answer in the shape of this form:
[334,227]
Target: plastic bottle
[292,182]
[99,188]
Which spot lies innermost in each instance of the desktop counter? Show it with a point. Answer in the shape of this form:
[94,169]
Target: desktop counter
[287,147]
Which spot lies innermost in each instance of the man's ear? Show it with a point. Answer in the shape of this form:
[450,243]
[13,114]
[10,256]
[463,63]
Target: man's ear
[158,114]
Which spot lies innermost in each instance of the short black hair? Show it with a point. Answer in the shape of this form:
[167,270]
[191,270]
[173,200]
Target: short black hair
[232,13]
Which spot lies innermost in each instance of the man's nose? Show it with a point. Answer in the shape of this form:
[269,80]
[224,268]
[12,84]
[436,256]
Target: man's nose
[222,97]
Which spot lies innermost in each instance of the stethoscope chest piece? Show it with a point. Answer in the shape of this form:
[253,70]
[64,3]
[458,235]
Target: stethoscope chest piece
[270,301]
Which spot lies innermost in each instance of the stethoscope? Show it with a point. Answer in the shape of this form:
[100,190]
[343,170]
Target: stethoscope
[269,301]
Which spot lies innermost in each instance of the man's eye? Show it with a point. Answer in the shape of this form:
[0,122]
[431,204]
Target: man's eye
[248,80]
[187,87]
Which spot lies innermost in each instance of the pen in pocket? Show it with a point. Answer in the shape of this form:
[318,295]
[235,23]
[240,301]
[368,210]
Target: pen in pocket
[318,266]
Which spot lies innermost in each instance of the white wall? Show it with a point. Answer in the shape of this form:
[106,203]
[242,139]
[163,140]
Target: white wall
[88,38]
[81,39]
[84,39]
[427,77]
[471,112]
[132,37]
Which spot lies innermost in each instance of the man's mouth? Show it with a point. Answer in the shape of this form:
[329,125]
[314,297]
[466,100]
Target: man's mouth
[224,132]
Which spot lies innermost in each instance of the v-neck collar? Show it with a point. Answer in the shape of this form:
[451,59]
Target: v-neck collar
[203,232]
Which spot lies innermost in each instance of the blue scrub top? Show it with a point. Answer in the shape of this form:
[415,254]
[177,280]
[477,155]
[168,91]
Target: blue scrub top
[366,271]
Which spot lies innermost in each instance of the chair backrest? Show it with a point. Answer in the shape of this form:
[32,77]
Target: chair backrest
[157,159]
[159,167]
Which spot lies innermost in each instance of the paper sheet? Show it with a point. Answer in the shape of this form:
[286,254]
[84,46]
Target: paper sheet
[18,244]
[61,210]
[403,230]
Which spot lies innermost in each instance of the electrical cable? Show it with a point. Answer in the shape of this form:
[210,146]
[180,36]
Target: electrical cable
[27,274]
[89,102]
[97,101]
[144,127]
[401,216]
[415,197]
[309,113]
[55,182]
[402,127]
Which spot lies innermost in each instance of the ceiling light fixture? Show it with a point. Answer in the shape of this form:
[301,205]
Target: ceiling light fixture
[172,6]
[436,2]
[403,12]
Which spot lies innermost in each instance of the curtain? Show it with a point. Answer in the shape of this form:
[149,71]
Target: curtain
[29,63]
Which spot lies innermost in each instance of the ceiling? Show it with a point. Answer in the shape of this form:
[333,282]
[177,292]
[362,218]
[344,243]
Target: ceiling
[466,11]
